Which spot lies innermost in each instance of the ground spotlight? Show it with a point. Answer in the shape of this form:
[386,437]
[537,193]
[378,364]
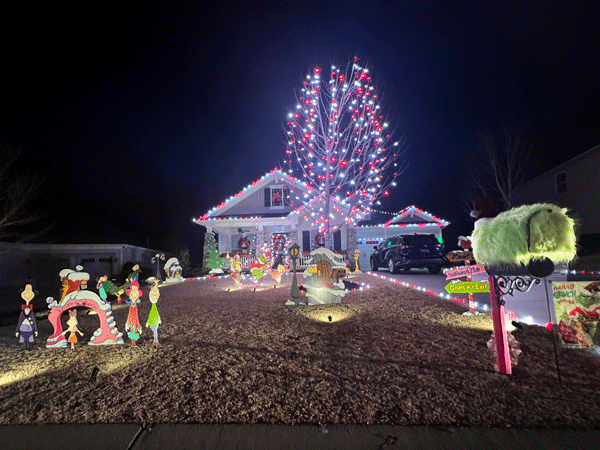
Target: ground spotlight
[95,371]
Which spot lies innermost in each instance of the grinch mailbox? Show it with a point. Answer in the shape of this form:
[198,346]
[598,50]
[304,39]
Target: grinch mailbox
[518,247]
[322,276]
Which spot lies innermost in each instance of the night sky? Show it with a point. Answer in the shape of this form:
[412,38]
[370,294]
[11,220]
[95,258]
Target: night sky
[142,119]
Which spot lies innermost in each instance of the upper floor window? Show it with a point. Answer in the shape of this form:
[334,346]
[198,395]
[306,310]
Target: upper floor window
[560,180]
[276,196]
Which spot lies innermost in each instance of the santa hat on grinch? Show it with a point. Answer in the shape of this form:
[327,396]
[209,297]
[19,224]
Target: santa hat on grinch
[484,210]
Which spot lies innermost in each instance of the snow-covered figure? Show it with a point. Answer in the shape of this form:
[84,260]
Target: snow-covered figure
[173,270]
[132,326]
[27,325]
[73,280]
[154,318]
[73,330]
[321,277]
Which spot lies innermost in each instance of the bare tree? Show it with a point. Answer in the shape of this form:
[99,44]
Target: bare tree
[502,163]
[17,190]
[340,144]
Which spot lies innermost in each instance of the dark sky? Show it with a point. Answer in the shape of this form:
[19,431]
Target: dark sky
[142,119]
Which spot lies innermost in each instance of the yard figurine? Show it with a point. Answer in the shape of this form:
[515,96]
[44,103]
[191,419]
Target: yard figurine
[73,330]
[322,277]
[27,325]
[173,270]
[154,318]
[111,288]
[356,256]
[100,286]
[236,271]
[276,274]
[258,268]
[133,276]
[244,242]
[73,280]
[132,326]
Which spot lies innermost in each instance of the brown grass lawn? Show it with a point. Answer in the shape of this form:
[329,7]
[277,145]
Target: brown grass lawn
[391,356]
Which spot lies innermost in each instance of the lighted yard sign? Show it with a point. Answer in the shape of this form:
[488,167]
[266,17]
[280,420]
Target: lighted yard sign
[466,271]
[465,287]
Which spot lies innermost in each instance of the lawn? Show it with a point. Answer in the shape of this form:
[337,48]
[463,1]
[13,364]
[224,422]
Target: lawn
[391,355]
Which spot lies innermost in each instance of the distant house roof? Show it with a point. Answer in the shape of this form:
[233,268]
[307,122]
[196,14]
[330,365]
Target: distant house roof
[581,155]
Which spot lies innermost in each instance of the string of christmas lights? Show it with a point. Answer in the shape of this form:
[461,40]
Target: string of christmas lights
[337,144]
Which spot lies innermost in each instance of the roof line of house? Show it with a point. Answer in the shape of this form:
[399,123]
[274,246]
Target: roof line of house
[596,147]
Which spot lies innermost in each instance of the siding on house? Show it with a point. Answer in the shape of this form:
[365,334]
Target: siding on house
[582,194]
[254,204]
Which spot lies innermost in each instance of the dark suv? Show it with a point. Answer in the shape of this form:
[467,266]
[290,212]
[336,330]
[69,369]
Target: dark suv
[409,251]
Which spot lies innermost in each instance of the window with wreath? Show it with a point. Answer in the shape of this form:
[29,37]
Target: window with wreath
[276,197]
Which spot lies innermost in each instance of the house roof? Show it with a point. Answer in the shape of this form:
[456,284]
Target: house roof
[220,209]
[412,215]
[581,155]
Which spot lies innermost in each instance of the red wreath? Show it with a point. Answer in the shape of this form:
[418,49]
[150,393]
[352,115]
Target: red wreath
[320,239]
[244,242]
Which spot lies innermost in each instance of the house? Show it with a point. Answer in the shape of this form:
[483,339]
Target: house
[575,185]
[41,263]
[279,205]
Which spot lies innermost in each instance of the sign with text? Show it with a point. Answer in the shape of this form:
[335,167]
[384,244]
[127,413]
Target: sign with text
[466,287]
[460,255]
[577,307]
[466,271]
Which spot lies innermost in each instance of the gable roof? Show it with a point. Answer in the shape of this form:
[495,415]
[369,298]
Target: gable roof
[412,215]
[275,174]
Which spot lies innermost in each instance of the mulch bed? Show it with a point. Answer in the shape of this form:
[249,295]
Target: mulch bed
[390,355]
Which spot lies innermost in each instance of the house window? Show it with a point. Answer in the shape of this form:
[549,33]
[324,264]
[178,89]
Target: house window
[277,197]
[561,182]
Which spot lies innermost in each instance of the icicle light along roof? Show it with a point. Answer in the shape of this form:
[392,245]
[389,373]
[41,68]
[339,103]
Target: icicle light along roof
[265,177]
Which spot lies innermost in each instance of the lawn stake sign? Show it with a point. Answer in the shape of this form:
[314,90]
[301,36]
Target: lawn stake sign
[577,306]
[466,271]
[322,276]
[466,287]
[518,247]
[106,334]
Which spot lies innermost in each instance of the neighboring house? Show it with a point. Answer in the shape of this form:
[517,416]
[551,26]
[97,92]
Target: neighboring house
[575,185]
[279,204]
[41,263]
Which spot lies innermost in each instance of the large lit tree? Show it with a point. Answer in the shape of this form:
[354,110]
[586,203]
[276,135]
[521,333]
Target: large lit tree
[340,144]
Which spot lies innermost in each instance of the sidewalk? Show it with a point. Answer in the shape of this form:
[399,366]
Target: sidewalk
[276,437]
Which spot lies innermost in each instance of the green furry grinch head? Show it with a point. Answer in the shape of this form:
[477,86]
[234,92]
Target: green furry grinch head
[526,233]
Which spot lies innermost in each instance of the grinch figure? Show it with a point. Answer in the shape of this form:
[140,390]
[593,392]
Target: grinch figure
[258,268]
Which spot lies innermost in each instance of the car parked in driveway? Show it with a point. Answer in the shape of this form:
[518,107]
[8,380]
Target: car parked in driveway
[408,251]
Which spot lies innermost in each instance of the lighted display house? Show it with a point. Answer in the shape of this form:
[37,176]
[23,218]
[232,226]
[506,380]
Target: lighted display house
[322,277]
[279,204]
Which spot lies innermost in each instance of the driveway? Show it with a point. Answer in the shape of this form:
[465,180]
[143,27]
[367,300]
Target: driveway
[532,307]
